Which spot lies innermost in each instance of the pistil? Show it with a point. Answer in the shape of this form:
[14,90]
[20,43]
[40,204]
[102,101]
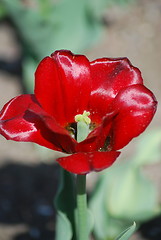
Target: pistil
[83,123]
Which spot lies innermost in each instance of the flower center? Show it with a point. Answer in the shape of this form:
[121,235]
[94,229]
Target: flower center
[83,123]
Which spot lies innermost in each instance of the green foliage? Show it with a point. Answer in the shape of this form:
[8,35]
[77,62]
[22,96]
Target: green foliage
[105,226]
[125,235]
[90,221]
[3,11]
[148,148]
[129,196]
[63,227]
[48,26]
[65,24]
[65,203]
[29,65]
[124,194]
[65,206]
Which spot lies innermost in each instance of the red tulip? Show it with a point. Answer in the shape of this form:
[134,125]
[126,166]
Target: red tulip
[66,85]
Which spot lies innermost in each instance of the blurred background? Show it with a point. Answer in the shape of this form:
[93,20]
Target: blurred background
[33,29]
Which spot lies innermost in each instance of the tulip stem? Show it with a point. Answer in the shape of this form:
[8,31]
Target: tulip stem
[82,227]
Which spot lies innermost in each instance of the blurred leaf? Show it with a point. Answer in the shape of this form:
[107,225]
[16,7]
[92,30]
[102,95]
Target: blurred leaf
[129,184]
[98,210]
[124,193]
[65,24]
[129,198]
[125,235]
[3,11]
[44,7]
[29,66]
[63,227]
[65,205]
[148,148]
[90,221]
[46,26]
[68,25]
[105,227]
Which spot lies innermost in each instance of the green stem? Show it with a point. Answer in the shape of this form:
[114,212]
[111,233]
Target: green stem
[82,208]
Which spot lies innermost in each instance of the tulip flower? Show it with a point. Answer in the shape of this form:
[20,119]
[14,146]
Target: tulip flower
[89,110]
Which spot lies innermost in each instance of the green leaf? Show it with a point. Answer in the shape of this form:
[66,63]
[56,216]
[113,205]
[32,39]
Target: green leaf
[63,227]
[148,148]
[127,182]
[98,209]
[3,11]
[65,205]
[125,235]
[105,227]
[29,66]
[123,193]
[59,27]
[90,221]
[132,189]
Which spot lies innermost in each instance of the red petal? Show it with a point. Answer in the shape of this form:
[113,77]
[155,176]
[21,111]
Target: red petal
[60,136]
[98,138]
[109,77]
[19,124]
[136,106]
[63,85]
[83,163]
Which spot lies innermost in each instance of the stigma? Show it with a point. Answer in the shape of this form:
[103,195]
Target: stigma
[83,117]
